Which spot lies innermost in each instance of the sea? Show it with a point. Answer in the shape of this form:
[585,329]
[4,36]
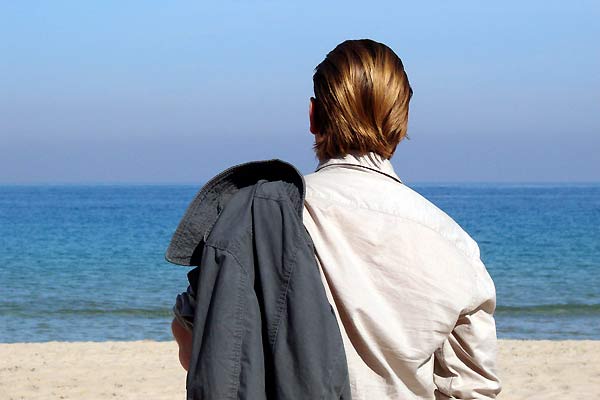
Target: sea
[86,262]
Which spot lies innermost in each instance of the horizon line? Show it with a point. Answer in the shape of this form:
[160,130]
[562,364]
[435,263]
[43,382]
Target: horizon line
[189,183]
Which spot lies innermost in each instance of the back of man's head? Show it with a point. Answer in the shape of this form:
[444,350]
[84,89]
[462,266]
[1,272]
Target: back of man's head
[361,100]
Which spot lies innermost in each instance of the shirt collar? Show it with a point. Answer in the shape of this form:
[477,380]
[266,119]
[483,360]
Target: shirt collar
[370,161]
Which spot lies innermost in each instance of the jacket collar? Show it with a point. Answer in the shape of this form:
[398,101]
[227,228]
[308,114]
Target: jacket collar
[202,213]
[369,161]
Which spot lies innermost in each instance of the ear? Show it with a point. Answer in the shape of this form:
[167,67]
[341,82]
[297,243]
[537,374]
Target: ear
[311,116]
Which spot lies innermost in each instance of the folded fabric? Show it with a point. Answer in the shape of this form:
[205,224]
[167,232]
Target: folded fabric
[262,326]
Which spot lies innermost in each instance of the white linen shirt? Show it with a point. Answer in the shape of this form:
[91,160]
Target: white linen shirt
[413,300]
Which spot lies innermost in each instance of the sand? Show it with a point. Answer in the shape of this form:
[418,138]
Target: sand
[150,370]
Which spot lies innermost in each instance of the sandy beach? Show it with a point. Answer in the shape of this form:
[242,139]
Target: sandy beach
[150,370]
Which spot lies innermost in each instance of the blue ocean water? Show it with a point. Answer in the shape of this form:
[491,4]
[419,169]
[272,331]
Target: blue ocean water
[87,262]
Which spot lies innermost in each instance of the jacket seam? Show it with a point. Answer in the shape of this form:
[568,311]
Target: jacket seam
[237,351]
[283,297]
[281,309]
[291,204]
[223,249]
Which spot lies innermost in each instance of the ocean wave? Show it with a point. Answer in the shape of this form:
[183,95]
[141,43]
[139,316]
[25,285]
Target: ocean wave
[89,312]
[551,309]
[162,312]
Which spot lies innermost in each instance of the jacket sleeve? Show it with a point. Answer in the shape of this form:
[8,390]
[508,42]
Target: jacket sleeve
[185,303]
[465,365]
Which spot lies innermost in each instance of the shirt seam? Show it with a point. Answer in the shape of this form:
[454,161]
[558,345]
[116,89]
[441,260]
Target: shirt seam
[470,258]
[379,171]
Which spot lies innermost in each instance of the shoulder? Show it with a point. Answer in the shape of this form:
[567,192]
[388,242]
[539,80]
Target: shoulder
[384,196]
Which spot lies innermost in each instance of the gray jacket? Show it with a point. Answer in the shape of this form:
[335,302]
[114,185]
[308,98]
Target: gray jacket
[262,325]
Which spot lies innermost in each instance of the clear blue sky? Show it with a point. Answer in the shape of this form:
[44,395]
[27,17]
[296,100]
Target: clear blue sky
[155,91]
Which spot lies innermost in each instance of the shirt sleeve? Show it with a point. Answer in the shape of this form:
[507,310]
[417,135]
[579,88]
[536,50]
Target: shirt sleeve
[185,303]
[465,365]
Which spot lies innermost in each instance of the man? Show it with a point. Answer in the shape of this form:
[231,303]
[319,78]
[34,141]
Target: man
[413,300]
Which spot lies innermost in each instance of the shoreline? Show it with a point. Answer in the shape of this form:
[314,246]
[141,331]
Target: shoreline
[529,369]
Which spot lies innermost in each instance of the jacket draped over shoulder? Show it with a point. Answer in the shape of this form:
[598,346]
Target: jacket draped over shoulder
[261,323]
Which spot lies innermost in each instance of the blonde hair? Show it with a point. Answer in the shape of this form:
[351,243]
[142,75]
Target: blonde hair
[361,100]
